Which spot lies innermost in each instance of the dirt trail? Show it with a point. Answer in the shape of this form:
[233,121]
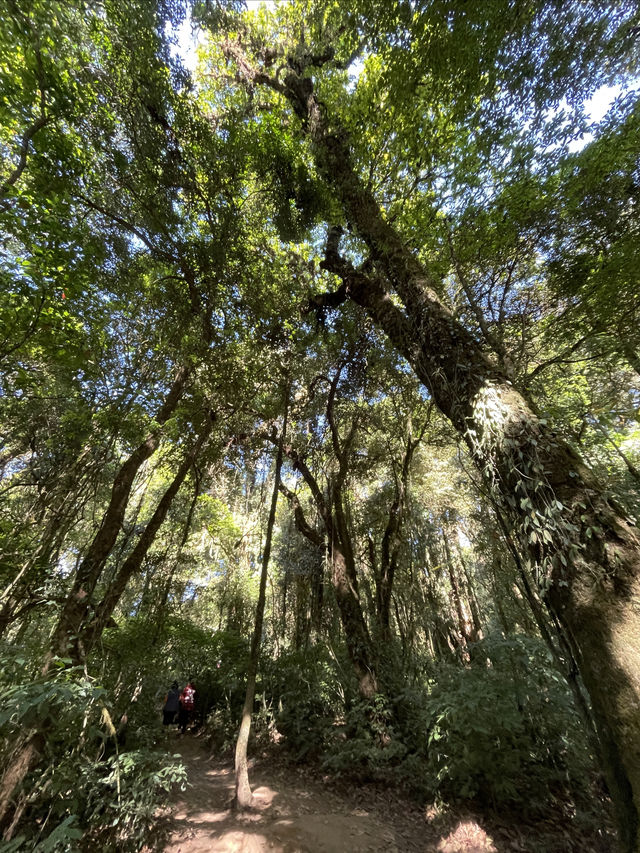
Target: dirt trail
[295,813]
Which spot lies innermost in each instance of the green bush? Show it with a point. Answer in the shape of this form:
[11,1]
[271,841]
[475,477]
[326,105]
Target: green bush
[122,797]
[220,729]
[503,730]
[306,696]
[87,794]
[367,746]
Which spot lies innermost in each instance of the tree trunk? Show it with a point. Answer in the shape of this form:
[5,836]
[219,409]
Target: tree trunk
[464,625]
[343,577]
[93,631]
[317,596]
[79,598]
[243,795]
[391,541]
[161,606]
[581,550]
[355,628]
[76,606]
[25,756]
[473,600]
[339,545]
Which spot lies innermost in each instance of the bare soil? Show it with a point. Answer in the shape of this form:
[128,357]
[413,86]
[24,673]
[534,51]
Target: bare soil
[298,811]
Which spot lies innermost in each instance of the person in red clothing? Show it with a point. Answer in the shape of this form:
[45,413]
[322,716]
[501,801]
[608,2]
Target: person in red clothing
[187,701]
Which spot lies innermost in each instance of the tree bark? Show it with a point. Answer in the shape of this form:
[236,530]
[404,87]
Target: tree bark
[343,575]
[473,600]
[464,626]
[25,756]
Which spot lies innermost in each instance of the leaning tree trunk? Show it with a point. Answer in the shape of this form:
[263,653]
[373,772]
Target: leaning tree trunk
[581,550]
[161,605]
[74,612]
[90,633]
[78,600]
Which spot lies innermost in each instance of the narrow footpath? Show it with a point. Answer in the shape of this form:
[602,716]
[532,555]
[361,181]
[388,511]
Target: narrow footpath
[295,812]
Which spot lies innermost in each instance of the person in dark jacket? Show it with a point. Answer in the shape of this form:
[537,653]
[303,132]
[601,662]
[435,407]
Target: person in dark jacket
[171,705]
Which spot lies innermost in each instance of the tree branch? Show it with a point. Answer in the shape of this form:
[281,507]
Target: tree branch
[301,522]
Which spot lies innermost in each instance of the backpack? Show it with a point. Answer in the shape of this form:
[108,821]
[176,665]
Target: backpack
[188,695]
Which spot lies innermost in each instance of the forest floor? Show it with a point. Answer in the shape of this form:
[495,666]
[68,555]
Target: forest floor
[299,811]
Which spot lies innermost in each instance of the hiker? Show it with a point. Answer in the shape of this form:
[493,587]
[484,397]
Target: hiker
[171,705]
[187,701]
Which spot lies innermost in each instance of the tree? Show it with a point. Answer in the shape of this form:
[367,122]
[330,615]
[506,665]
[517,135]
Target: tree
[376,201]
[137,193]
[243,788]
[579,547]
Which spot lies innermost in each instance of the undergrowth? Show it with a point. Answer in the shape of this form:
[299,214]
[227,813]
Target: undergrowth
[91,792]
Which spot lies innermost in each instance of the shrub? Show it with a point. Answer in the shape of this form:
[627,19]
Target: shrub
[307,699]
[504,730]
[86,795]
[367,746]
[220,729]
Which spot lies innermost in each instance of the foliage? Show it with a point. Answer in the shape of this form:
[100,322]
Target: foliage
[367,746]
[91,791]
[155,220]
[142,781]
[220,728]
[113,803]
[503,730]
[305,693]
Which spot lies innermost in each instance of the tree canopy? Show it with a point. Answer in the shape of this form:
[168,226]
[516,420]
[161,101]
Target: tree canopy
[320,371]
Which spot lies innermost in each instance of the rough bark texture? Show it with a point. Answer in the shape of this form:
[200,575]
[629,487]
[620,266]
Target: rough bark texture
[24,758]
[581,550]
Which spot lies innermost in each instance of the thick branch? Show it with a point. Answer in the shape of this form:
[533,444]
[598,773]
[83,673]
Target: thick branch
[302,525]
[28,135]
[42,120]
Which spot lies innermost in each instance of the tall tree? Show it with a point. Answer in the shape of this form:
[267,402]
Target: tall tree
[243,788]
[580,548]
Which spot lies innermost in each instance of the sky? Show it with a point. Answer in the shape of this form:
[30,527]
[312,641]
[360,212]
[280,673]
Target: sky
[596,109]
[598,105]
